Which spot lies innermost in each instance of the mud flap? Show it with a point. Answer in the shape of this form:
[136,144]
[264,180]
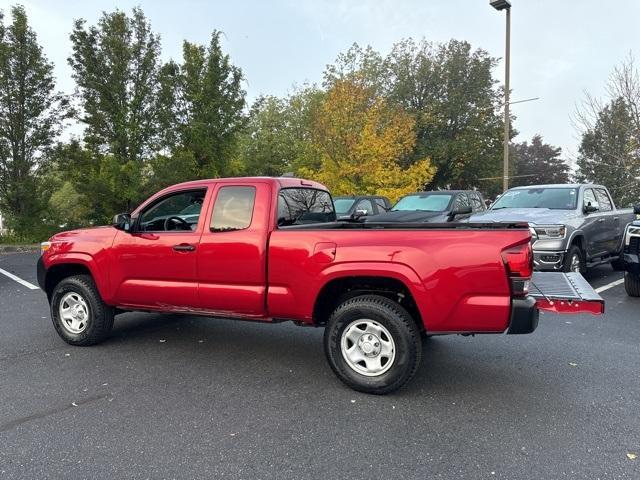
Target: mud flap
[565,293]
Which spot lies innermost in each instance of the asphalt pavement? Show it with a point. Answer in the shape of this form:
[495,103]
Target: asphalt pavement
[191,397]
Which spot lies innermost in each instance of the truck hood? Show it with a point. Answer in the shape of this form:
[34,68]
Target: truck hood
[99,236]
[408,217]
[539,216]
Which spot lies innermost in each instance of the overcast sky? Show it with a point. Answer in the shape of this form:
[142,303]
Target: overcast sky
[560,48]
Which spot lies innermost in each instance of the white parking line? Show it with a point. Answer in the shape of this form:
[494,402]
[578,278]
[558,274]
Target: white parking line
[609,285]
[19,280]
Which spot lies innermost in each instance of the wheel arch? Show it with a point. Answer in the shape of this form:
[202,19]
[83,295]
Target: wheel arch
[578,239]
[67,265]
[341,288]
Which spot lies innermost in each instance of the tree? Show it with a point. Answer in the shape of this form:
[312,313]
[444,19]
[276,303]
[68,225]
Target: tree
[278,135]
[360,140]
[30,119]
[538,163]
[115,66]
[451,94]
[609,151]
[202,104]
[450,90]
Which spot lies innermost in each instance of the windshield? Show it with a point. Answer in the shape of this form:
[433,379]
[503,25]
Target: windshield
[423,202]
[342,205]
[554,198]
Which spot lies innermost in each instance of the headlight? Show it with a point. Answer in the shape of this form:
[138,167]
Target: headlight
[44,246]
[550,231]
[631,230]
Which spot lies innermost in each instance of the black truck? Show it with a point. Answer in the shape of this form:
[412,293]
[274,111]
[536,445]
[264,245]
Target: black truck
[631,256]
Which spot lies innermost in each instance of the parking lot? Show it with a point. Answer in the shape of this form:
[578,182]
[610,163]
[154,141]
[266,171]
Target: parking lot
[191,397]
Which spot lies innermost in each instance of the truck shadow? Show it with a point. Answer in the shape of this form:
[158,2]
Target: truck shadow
[293,357]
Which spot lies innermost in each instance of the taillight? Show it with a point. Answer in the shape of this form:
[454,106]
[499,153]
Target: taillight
[518,260]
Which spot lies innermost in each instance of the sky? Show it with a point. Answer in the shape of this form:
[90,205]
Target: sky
[560,49]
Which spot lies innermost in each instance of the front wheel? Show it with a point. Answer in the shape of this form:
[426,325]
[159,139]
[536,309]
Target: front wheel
[372,344]
[632,284]
[79,315]
[574,261]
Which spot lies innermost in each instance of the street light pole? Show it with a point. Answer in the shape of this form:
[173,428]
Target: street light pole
[507,62]
[505,5]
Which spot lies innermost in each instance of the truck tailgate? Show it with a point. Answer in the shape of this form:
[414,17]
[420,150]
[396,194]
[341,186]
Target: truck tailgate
[565,293]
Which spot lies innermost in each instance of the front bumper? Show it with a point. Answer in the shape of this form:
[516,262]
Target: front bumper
[548,260]
[41,272]
[524,316]
[631,263]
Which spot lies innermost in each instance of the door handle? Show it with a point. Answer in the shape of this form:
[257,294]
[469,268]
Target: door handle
[600,220]
[615,219]
[184,247]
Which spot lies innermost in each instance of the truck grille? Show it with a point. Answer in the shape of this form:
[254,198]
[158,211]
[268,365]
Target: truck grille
[634,246]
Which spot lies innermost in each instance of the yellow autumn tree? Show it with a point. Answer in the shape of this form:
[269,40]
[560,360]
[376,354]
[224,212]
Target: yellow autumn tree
[360,140]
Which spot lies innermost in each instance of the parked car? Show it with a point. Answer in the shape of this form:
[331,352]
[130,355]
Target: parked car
[269,250]
[433,207]
[631,257]
[573,227]
[348,206]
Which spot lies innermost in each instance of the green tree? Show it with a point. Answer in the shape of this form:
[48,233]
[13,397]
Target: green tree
[610,147]
[202,104]
[610,154]
[30,118]
[538,163]
[278,137]
[115,65]
[452,93]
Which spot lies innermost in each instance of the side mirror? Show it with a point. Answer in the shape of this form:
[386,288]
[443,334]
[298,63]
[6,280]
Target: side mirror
[636,209]
[589,208]
[358,214]
[122,221]
[461,210]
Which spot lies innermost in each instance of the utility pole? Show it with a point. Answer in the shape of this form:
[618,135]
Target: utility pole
[505,5]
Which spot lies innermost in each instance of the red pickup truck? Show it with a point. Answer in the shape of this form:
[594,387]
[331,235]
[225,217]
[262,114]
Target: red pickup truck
[270,249]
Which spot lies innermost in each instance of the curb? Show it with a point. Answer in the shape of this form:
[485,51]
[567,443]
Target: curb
[19,248]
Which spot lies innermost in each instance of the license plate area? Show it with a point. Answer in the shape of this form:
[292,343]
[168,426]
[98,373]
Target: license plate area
[565,293]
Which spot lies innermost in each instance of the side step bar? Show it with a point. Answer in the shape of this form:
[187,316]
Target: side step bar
[565,293]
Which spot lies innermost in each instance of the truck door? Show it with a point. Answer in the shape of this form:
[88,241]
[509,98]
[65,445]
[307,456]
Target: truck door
[594,226]
[612,231]
[155,265]
[232,256]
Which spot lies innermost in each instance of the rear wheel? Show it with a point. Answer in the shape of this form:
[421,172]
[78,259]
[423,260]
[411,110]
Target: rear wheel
[79,315]
[574,261]
[632,284]
[372,344]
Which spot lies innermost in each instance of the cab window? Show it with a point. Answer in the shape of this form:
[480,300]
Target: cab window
[178,211]
[603,200]
[233,209]
[301,206]
[590,198]
[365,205]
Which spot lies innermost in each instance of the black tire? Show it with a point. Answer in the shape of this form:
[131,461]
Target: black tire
[98,319]
[617,265]
[574,250]
[632,284]
[402,329]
